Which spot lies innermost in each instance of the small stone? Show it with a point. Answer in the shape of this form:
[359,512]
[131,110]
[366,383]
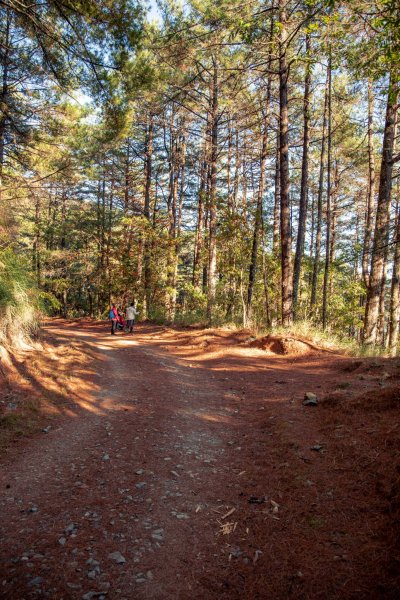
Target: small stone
[140,580]
[71,529]
[317,447]
[158,534]
[62,541]
[106,457]
[99,595]
[92,574]
[35,581]
[182,516]
[92,562]
[140,485]
[46,429]
[117,557]
[139,472]
[33,509]
[310,399]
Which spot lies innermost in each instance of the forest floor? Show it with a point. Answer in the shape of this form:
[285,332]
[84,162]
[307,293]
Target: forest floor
[182,464]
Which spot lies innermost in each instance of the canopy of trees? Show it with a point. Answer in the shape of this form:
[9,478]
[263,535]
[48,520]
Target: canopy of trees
[228,162]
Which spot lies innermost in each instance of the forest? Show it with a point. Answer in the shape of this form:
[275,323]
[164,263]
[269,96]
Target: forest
[229,172]
[219,162]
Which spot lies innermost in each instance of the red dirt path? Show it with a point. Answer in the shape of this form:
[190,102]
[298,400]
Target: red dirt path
[189,452]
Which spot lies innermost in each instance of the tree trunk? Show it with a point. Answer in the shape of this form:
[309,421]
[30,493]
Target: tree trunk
[199,240]
[286,236]
[370,190]
[172,213]
[4,95]
[394,315]
[304,180]
[276,225]
[228,167]
[328,201]
[37,261]
[318,224]
[259,209]
[377,275]
[3,98]
[147,198]
[109,272]
[236,177]
[212,244]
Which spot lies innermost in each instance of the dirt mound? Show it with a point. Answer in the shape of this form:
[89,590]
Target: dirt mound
[210,339]
[373,400]
[284,345]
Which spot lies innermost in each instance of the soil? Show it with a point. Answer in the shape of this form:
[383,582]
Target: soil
[190,453]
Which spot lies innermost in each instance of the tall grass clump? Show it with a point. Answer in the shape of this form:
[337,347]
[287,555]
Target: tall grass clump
[19,299]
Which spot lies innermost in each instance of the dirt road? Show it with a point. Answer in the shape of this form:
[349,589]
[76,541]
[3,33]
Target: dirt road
[183,468]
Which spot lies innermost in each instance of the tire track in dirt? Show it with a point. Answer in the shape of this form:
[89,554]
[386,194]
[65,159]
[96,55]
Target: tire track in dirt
[124,477]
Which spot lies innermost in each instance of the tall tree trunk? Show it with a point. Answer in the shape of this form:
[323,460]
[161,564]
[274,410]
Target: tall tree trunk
[381,337]
[259,208]
[4,102]
[236,177]
[317,252]
[328,200]
[198,247]
[267,303]
[370,190]
[377,275]
[228,167]
[147,197]
[286,236]
[37,260]
[244,179]
[276,225]
[304,179]
[172,214]
[394,316]
[212,243]
[109,238]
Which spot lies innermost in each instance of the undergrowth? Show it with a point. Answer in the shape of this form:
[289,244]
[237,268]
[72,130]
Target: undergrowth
[21,303]
[306,330]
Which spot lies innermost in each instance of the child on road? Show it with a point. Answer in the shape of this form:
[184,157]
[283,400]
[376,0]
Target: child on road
[113,316]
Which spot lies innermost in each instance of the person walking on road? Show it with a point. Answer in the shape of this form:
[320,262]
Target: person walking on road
[113,316]
[131,313]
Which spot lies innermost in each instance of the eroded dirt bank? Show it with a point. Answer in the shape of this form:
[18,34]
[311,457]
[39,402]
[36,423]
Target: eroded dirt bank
[183,464]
